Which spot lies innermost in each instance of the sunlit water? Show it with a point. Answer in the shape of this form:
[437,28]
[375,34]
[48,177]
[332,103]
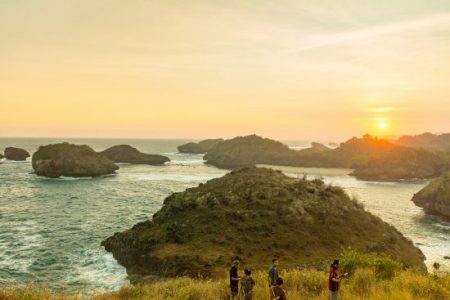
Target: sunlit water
[51,229]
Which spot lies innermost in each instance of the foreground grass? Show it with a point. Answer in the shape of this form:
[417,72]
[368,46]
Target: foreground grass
[299,284]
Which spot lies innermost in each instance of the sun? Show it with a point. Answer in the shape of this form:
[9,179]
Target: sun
[381,125]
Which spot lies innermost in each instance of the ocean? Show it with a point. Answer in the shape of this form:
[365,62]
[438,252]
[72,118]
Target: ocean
[51,229]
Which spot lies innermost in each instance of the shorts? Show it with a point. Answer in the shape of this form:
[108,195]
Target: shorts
[234,290]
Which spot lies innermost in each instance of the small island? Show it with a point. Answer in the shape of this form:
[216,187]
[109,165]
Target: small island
[128,154]
[435,197]
[70,160]
[200,147]
[254,214]
[17,154]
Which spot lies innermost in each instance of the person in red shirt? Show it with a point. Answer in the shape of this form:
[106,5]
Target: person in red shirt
[334,280]
[277,290]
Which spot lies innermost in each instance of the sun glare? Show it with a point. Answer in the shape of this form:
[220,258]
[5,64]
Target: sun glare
[381,123]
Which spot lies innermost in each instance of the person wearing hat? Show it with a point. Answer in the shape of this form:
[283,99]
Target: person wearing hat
[334,280]
[234,280]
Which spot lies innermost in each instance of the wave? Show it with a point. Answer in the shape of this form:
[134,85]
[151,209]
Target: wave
[191,162]
[172,177]
[7,161]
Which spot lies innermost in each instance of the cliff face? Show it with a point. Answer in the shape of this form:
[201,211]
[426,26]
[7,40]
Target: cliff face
[66,159]
[254,214]
[128,154]
[200,147]
[371,158]
[435,197]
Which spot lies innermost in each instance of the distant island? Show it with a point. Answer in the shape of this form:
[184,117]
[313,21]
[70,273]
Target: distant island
[254,214]
[17,154]
[435,197]
[70,160]
[370,157]
[200,147]
[128,154]
[427,140]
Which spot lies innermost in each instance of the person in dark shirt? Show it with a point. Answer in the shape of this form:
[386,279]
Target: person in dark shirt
[234,280]
[277,292]
[273,272]
[334,280]
[247,284]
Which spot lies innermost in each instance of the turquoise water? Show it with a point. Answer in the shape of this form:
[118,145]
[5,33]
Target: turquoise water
[51,229]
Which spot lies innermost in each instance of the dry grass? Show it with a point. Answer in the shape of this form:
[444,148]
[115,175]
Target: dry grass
[299,284]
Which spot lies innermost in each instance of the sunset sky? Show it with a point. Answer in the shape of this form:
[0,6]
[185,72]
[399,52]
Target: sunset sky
[316,70]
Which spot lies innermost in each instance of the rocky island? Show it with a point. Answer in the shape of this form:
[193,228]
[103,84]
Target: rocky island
[17,154]
[435,197]
[200,147]
[128,154]
[370,157]
[70,160]
[254,214]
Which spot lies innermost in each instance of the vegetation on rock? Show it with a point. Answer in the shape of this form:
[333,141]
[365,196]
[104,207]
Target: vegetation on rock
[200,147]
[66,159]
[427,140]
[18,154]
[435,197]
[372,158]
[128,154]
[254,214]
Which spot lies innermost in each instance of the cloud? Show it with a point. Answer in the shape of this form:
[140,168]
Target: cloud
[319,41]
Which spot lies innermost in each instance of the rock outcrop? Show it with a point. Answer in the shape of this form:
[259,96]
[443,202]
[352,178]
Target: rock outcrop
[371,158]
[254,214]
[435,197]
[200,147]
[128,154]
[18,154]
[70,160]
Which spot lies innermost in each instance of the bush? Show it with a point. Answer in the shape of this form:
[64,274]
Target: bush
[384,266]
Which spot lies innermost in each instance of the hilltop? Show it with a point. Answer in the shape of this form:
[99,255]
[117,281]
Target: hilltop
[254,214]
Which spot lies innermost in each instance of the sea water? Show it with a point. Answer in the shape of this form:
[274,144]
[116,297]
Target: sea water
[51,229]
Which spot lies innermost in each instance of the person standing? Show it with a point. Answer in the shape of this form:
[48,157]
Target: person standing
[234,280]
[247,284]
[334,280]
[273,272]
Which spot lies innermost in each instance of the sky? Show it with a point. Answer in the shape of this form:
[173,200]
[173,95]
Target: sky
[306,70]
